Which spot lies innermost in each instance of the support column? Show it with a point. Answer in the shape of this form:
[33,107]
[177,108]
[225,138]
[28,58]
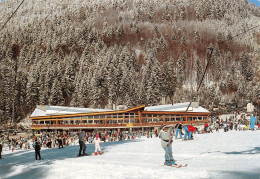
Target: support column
[140,117]
[163,118]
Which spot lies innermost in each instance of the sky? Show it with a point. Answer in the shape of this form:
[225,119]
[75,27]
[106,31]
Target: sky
[256,2]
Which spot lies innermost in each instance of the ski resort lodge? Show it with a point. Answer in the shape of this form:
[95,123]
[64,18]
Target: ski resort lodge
[53,118]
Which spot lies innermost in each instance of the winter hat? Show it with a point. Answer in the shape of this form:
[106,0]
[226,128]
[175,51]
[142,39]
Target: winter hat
[163,126]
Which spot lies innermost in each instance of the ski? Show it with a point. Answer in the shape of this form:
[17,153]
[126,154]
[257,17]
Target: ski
[179,166]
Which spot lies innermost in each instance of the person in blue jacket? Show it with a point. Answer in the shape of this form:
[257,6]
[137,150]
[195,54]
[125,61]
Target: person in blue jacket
[186,132]
[252,121]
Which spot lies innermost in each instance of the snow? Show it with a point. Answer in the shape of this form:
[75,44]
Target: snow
[178,107]
[234,154]
[38,112]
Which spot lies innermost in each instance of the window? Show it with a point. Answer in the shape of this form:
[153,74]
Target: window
[96,117]
[84,117]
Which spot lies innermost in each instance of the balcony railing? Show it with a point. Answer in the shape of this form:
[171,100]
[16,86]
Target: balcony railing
[87,125]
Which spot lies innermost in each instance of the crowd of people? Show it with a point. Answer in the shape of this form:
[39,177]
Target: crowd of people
[62,139]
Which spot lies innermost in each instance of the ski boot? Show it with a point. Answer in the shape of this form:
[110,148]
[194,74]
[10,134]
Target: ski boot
[172,162]
[95,153]
[84,154]
[99,153]
[167,163]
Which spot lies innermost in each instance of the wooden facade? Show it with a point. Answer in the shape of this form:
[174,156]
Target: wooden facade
[130,118]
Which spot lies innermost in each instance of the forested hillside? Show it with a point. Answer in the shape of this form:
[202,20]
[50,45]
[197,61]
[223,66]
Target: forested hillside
[95,53]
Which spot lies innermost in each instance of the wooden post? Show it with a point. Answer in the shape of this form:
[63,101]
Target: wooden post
[124,118]
[106,120]
[140,117]
[163,118]
[186,119]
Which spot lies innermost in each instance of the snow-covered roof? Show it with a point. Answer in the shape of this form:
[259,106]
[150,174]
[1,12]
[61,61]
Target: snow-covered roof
[178,107]
[38,112]
[43,110]
[58,110]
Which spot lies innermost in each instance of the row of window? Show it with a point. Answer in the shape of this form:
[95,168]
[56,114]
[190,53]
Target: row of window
[118,121]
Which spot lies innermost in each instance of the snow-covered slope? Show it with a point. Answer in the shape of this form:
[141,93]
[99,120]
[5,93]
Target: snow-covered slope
[234,154]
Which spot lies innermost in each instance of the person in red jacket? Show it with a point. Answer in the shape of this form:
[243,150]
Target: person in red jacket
[191,130]
[206,127]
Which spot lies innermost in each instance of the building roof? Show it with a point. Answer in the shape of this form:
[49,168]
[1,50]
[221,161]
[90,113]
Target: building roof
[59,110]
[42,110]
[178,107]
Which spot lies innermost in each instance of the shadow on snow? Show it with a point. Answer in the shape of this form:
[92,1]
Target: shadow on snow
[36,169]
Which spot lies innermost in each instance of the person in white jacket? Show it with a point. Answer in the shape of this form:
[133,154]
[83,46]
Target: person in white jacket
[97,141]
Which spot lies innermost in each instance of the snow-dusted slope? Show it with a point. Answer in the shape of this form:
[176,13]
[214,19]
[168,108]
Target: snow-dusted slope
[234,154]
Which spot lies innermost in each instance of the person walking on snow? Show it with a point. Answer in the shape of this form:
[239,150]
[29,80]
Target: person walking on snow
[37,151]
[97,146]
[186,132]
[252,121]
[82,144]
[178,128]
[1,150]
[166,142]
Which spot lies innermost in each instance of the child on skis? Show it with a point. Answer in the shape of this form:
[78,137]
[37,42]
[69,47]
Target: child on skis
[166,142]
[97,141]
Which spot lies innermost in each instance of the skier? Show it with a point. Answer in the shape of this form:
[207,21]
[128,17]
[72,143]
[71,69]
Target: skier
[37,150]
[1,151]
[178,128]
[166,142]
[97,146]
[82,144]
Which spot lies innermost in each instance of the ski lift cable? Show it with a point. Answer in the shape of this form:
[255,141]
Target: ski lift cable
[12,15]
[211,51]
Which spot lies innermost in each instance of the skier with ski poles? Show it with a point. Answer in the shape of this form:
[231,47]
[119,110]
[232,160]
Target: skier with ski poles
[166,142]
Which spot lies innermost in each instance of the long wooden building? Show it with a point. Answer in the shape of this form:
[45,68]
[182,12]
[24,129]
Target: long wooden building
[64,118]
